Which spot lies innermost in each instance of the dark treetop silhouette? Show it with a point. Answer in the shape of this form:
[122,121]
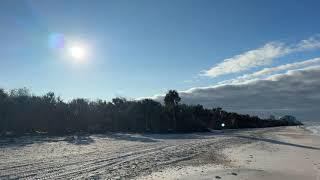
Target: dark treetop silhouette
[22,113]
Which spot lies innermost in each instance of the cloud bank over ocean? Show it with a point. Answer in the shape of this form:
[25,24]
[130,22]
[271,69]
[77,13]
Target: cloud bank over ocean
[290,88]
[294,92]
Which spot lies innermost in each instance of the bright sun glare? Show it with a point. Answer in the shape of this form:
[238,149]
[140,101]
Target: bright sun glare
[78,52]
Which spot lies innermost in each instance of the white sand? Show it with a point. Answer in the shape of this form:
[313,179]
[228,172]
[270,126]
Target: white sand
[273,153]
[281,153]
[105,156]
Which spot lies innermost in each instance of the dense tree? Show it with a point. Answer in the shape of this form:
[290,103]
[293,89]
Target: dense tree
[150,110]
[171,101]
[21,113]
[3,110]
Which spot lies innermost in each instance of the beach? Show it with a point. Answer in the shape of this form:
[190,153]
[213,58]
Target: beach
[267,153]
[285,153]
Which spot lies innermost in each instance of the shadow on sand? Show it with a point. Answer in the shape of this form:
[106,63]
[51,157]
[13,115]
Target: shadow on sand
[80,140]
[151,137]
[131,137]
[279,142]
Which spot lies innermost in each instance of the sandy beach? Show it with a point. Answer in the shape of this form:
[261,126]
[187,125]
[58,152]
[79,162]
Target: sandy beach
[271,153]
[289,153]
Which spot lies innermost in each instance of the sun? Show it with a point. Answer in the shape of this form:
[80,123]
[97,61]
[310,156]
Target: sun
[78,52]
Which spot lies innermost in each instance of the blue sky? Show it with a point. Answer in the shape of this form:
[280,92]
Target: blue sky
[145,47]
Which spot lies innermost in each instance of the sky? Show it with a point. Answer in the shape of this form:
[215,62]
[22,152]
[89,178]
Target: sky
[213,52]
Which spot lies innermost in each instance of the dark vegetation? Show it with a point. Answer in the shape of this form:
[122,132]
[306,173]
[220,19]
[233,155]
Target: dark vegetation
[22,113]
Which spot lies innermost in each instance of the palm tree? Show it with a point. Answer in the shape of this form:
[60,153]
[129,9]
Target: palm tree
[171,101]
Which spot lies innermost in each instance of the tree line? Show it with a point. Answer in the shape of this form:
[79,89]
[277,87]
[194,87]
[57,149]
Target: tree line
[23,113]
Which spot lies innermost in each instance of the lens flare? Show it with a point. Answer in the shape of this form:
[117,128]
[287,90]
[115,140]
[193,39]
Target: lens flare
[71,49]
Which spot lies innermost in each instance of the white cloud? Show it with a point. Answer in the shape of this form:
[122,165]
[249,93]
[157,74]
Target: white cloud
[311,43]
[286,89]
[294,92]
[260,57]
[292,88]
[269,71]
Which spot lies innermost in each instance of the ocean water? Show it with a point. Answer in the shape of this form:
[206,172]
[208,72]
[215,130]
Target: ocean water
[314,127]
